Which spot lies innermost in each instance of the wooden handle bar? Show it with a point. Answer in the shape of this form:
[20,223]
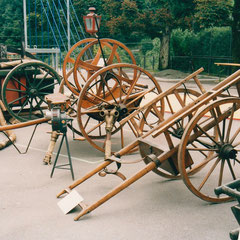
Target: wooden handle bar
[23,124]
[163,94]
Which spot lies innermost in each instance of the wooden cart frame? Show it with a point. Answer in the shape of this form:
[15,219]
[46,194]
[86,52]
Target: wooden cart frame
[213,122]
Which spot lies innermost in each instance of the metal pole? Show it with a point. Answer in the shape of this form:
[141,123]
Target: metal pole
[68,25]
[25,22]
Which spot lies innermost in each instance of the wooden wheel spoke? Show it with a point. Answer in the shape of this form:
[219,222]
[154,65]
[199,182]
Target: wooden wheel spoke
[217,125]
[123,78]
[207,135]
[22,107]
[95,127]
[182,103]
[31,108]
[231,169]
[113,53]
[201,149]
[19,82]
[236,160]
[99,98]
[15,90]
[202,152]
[132,128]
[44,77]
[208,174]
[185,98]
[154,113]
[39,106]
[122,137]
[26,75]
[17,99]
[71,60]
[88,66]
[221,173]
[140,96]
[43,99]
[97,57]
[110,91]
[83,78]
[94,110]
[234,136]
[136,127]
[132,86]
[201,165]
[206,119]
[169,105]
[48,86]
[86,123]
[230,122]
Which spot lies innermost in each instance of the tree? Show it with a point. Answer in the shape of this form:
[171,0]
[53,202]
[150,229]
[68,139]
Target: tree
[221,13]
[133,20]
[158,22]
[11,19]
[236,32]
[212,13]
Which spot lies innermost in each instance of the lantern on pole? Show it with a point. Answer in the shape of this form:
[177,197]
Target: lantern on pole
[92,21]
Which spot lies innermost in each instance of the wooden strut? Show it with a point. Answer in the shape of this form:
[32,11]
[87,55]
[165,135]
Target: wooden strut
[11,135]
[160,128]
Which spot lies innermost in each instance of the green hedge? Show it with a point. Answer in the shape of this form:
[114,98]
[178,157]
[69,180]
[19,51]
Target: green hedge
[193,50]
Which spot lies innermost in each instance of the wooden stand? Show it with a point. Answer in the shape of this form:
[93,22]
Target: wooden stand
[53,100]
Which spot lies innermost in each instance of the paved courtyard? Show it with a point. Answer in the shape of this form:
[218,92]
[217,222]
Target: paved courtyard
[152,208]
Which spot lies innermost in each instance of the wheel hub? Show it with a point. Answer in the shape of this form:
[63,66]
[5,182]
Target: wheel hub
[178,132]
[33,92]
[227,151]
[122,109]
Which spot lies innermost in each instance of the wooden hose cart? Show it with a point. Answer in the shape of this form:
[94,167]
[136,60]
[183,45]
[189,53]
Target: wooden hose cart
[205,144]
[104,96]
[24,84]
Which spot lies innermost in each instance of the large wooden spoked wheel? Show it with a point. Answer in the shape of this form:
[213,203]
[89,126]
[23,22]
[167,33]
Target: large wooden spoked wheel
[69,61]
[213,142]
[173,102]
[111,51]
[119,86]
[24,89]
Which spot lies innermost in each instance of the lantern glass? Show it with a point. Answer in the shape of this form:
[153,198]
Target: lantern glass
[92,23]
[89,23]
[98,18]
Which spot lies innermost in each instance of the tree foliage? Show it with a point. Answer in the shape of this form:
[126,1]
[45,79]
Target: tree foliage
[213,13]
[134,20]
[11,20]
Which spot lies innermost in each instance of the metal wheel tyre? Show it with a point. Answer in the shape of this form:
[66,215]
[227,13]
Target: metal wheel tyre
[212,141]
